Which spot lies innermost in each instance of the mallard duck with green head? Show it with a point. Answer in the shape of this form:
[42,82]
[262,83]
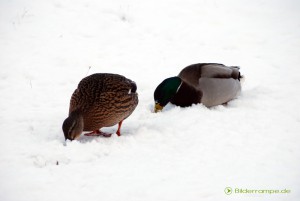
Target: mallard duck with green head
[100,100]
[208,83]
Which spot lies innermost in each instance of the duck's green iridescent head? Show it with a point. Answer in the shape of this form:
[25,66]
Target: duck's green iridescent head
[165,91]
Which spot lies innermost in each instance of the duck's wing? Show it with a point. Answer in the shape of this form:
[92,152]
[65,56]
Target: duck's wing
[191,74]
[220,71]
[92,87]
[106,82]
[217,82]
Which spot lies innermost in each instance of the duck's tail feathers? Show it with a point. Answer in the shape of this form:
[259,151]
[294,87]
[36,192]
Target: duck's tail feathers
[237,67]
[133,87]
[242,79]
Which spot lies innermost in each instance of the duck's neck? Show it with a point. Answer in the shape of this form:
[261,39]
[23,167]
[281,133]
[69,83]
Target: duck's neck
[186,96]
[78,118]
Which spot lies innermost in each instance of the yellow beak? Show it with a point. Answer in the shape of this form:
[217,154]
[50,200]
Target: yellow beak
[157,107]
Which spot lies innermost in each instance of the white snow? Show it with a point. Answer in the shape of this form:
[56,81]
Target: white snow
[47,47]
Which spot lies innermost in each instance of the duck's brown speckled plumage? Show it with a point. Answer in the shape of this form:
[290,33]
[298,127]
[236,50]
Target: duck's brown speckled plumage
[104,100]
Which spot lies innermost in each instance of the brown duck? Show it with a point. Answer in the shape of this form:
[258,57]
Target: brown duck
[100,100]
[208,83]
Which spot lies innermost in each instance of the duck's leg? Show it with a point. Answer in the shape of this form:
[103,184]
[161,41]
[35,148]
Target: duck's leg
[98,133]
[119,128]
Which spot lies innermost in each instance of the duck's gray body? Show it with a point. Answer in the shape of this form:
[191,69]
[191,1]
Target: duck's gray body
[215,84]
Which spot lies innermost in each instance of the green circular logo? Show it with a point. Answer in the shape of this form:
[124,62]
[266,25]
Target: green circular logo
[228,190]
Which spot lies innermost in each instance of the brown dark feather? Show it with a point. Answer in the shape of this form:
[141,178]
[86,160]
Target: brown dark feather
[104,100]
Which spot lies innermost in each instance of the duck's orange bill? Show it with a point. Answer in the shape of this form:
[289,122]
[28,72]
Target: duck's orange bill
[158,107]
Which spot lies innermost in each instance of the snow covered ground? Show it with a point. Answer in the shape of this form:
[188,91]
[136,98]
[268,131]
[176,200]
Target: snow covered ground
[47,47]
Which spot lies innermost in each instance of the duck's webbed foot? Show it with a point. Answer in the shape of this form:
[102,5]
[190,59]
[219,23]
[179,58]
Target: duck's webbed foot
[98,133]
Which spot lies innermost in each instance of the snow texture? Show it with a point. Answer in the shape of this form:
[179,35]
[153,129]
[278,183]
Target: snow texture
[47,47]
